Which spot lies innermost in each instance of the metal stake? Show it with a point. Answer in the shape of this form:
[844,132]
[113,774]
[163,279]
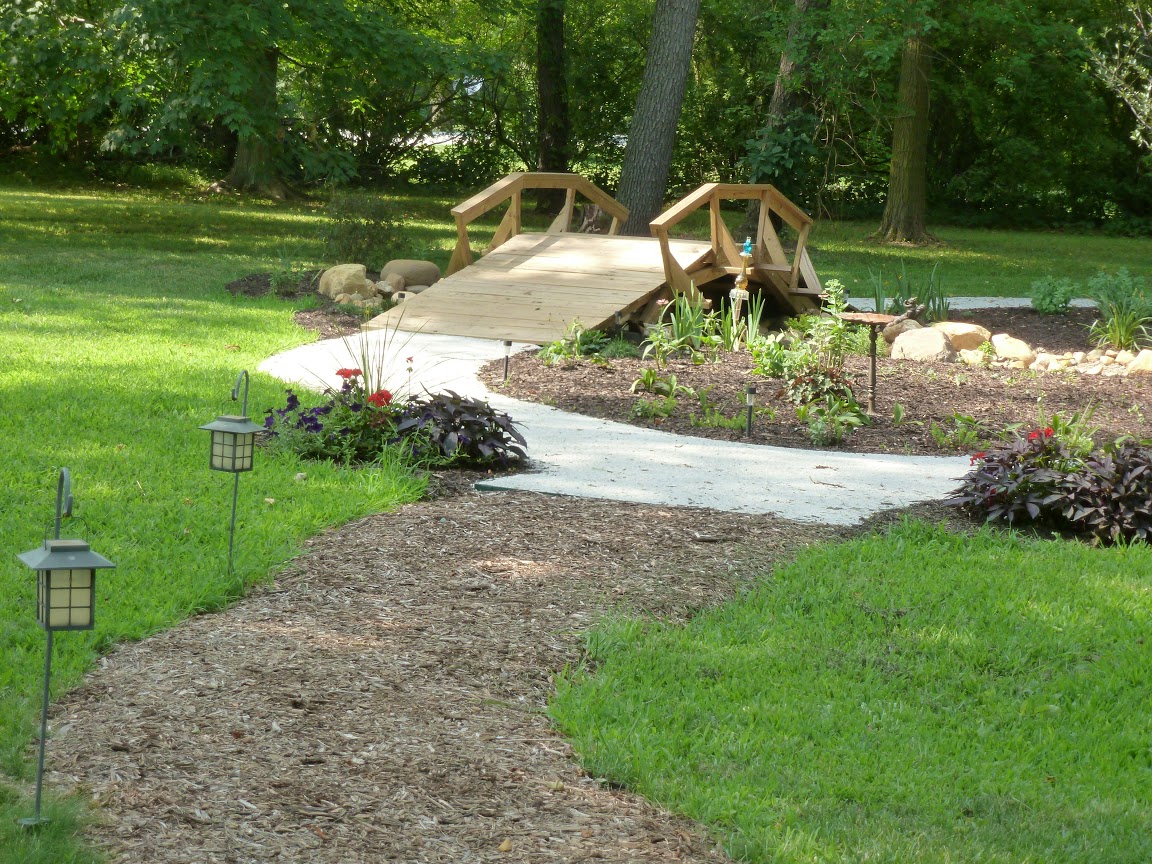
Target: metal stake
[872,369]
[63,508]
[232,527]
[507,358]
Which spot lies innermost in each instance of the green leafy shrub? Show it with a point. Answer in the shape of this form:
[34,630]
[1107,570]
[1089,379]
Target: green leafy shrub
[352,425]
[1106,497]
[653,409]
[365,229]
[660,385]
[832,419]
[578,341]
[1053,296]
[355,426]
[459,430]
[1123,307]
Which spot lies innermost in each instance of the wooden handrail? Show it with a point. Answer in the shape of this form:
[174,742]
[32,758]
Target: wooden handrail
[768,253]
[512,187]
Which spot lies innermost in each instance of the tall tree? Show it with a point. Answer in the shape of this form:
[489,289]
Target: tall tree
[906,204]
[652,133]
[553,123]
[1124,64]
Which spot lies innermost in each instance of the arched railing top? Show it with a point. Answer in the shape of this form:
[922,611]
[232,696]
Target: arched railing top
[510,188]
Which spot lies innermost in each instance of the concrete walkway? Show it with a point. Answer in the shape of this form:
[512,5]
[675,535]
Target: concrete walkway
[585,457]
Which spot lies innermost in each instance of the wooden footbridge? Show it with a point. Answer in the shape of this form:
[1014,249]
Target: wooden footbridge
[530,287]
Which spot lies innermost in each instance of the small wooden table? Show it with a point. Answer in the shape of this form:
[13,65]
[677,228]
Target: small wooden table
[875,321]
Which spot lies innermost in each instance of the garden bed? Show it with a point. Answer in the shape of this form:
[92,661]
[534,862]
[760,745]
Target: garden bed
[948,407]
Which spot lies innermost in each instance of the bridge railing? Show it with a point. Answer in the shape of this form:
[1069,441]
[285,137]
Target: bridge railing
[770,264]
[510,188]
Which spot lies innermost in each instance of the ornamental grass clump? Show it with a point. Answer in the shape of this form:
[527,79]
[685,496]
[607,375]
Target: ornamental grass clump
[1038,479]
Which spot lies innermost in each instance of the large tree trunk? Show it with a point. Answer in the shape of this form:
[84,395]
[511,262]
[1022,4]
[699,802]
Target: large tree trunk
[553,124]
[254,167]
[648,156]
[904,210]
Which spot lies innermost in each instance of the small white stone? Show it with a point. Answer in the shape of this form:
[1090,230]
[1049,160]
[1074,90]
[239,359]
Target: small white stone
[1095,354]
[1114,370]
[1125,357]
[1089,370]
[1079,357]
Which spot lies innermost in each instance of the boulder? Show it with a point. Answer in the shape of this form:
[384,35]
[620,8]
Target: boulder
[897,327]
[923,345]
[963,336]
[1142,364]
[972,357]
[345,279]
[1009,348]
[413,272]
[390,283]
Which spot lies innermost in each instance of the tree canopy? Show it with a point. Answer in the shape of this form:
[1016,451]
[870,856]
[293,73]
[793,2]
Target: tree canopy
[1035,115]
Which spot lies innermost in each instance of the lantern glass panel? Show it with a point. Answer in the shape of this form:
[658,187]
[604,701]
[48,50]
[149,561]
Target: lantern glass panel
[232,451]
[66,599]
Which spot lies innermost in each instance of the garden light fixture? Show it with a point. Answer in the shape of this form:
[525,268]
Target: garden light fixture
[507,357]
[233,448]
[739,293]
[65,600]
[750,401]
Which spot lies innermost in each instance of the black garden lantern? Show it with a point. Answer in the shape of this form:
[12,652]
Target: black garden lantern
[65,600]
[233,448]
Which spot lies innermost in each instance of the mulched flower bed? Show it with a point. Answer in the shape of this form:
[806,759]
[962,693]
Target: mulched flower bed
[931,394]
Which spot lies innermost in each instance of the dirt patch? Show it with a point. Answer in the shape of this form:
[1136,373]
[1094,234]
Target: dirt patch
[931,394]
[327,320]
[384,699]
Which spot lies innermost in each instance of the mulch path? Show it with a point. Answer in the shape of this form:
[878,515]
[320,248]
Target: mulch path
[384,698]
[930,393]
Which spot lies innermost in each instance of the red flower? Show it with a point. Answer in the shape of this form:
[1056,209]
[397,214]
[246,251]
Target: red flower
[348,373]
[976,457]
[380,398]
[1048,432]
[1033,435]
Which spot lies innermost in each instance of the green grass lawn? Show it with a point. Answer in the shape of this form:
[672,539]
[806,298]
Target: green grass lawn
[973,262]
[118,341]
[908,697]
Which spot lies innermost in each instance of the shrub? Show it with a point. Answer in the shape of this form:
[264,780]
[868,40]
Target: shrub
[832,419]
[446,428]
[578,341]
[365,229]
[1106,497]
[351,426]
[805,375]
[1123,307]
[1053,296]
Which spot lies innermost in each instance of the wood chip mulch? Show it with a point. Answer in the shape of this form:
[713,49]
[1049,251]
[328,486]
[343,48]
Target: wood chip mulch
[930,394]
[384,699]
